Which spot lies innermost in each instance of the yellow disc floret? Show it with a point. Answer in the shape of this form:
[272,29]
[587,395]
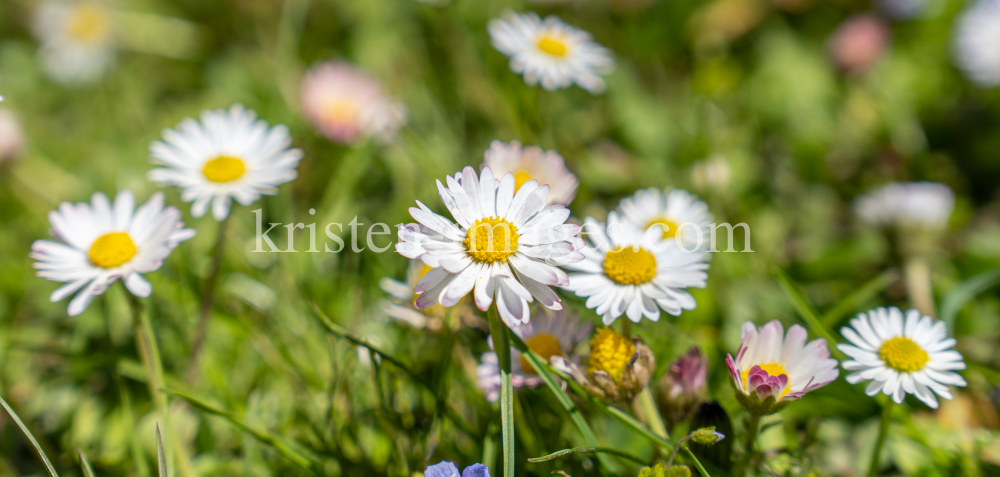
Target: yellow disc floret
[339,111]
[520,178]
[772,369]
[609,351]
[89,23]
[668,226]
[545,345]
[491,239]
[224,169]
[630,265]
[111,250]
[903,355]
[552,45]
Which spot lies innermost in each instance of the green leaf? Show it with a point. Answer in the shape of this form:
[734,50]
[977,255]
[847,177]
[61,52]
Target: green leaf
[500,334]
[161,459]
[962,294]
[697,464]
[590,450]
[38,447]
[88,471]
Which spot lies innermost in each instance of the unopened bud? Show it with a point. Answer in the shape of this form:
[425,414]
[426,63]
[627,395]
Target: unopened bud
[707,436]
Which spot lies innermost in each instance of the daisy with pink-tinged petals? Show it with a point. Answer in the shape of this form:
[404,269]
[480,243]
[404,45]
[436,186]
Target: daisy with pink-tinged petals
[347,104]
[532,162]
[502,245]
[772,369]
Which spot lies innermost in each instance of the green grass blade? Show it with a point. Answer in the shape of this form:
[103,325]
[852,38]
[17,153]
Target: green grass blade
[88,470]
[962,294]
[24,428]
[697,463]
[807,311]
[501,345]
[590,450]
[161,458]
[867,291]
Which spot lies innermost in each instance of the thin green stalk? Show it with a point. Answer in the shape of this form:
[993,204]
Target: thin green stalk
[807,311]
[501,344]
[697,463]
[590,450]
[149,352]
[883,430]
[652,413]
[207,300]
[27,433]
[753,427]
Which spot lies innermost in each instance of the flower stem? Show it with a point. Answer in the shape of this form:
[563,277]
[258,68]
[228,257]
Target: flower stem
[677,447]
[753,427]
[918,284]
[883,430]
[149,352]
[501,345]
[207,300]
[651,413]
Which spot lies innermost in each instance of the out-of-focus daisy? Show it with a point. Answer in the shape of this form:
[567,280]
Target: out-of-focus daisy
[550,52]
[554,333]
[617,369]
[11,136]
[911,205]
[101,242]
[400,305]
[977,35]
[675,212]
[526,163]
[346,104]
[635,273]
[228,155]
[712,173]
[858,43]
[772,369]
[901,355]
[77,39]
[448,469]
[505,245]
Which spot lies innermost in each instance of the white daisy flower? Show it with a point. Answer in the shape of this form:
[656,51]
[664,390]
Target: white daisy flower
[550,52]
[901,355]
[77,39]
[526,163]
[101,242]
[228,155]
[505,245]
[554,333]
[919,205]
[346,104]
[772,364]
[977,35]
[678,214]
[635,273]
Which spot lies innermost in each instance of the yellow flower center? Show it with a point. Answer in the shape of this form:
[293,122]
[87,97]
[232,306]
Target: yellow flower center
[339,111]
[491,239]
[520,178]
[630,265]
[111,250]
[772,369]
[609,351]
[224,169]
[668,226]
[545,345]
[552,45]
[89,23]
[903,355]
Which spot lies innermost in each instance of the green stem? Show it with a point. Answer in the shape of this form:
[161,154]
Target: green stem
[207,300]
[652,413]
[591,450]
[501,344]
[677,447]
[149,352]
[883,430]
[753,427]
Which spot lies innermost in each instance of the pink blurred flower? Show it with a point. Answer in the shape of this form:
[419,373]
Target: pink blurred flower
[683,388]
[858,42]
[346,104]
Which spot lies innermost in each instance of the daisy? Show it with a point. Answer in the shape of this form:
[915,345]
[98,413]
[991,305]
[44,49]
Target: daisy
[101,242]
[678,214]
[901,355]
[910,205]
[448,469]
[346,104]
[551,334]
[526,163]
[617,369]
[977,35]
[550,52]
[770,364]
[77,40]
[628,271]
[504,246]
[400,304]
[228,155]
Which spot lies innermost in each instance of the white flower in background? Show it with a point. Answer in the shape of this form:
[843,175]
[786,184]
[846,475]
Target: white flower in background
[11,136]
[679,215]
[923,205]
[550,52]
[901,355]
[553,333]
[228,155]
[77,39]
[346,104]
[634,272]
[712,173]
[772,364]
[977,35]
[505,246]
[101,242]
[400,304]
[526,163]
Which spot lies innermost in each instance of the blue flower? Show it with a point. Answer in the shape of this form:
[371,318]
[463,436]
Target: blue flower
[448,469]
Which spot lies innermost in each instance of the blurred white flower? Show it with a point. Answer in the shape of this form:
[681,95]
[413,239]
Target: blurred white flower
[101,242]
[977,34]
[771,364]
[228,155]
[635,272]
[11,136]
[346,104]
[920,205]
[526,163]
[77,39]
[712,173]
[505,246]
[678,214]
[550,52]
[553,333]
[901,355]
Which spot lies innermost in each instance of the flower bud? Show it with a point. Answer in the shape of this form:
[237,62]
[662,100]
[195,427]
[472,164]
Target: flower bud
[683,388]
[618,368]
[707,436]
[711,414]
